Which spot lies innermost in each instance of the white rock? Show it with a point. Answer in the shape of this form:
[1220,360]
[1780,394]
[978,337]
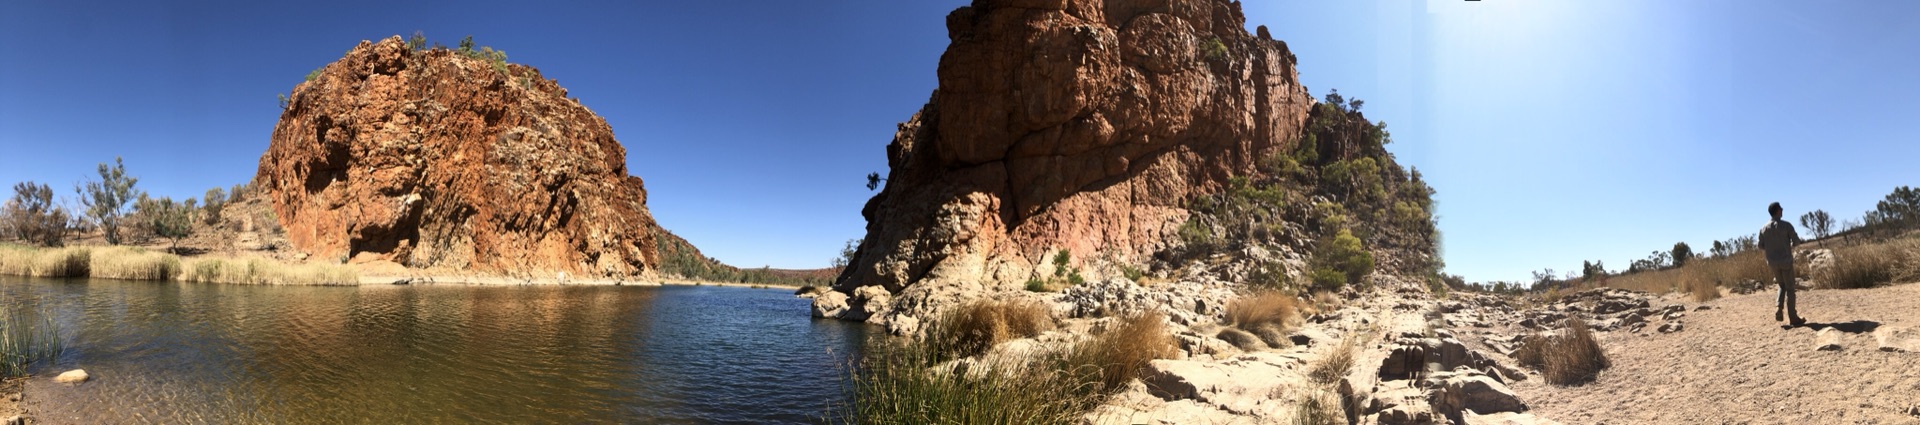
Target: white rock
[1898,339]
[72,376]
[1827,340]
[830,305]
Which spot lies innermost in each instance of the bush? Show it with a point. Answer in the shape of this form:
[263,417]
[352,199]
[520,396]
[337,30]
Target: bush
[1873,265]
[973,328]
[1342,254]
[1215,49]
[1334,364]
[166,218]
[1570,358]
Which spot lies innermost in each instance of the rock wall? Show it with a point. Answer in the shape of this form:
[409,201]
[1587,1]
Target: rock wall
[434,158]
[1082,125]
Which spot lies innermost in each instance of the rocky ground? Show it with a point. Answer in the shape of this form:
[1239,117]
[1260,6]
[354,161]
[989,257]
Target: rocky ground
[1419,358]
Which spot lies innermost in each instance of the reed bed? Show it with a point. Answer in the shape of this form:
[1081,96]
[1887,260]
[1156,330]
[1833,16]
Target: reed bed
[908,381]
[133,263]
[44,262]
[27,336]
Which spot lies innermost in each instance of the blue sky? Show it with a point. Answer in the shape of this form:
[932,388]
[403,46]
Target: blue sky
[1555,132]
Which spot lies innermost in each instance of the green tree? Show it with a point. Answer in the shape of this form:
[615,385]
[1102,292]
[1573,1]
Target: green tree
[106,199]
[873,181]
[167,218]
[418,41]
[846,254]
[215,202]
[1900,208]
[1681,253]
[466,46]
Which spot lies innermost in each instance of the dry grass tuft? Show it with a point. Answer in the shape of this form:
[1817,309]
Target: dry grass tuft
[1334,364]
[1570,358]
[975,327]
[1112,358]
[133,264]
[44,262]
[1263,312]
[1319,407]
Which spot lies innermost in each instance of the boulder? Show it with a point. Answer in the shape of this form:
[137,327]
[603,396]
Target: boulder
[1897,339]
[1671,327]
[1243,384]
[1827,340]
[1399,405]
[72,376]
[1616,305]
[15,420]
[830,305]
[873,299]
[1458,391]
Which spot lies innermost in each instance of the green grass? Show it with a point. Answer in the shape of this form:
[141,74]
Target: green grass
[27,336]
[906,381]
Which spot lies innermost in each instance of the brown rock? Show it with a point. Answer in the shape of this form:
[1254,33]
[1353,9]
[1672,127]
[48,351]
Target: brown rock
[1076,124]
[431,158]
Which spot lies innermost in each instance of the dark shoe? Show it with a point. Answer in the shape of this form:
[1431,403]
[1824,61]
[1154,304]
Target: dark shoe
[1796,321]
[1776,316]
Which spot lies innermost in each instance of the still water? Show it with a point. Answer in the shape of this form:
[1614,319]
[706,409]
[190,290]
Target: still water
[205,353]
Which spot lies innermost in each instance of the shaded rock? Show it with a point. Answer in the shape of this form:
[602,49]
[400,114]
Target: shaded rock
[1241,339]
[1897,339]
[872,300]
[1309,336]
[72,376]
[1827,340]
[1671,327]
[1703,307]
[1401,405]
[1615,305]
[15,420]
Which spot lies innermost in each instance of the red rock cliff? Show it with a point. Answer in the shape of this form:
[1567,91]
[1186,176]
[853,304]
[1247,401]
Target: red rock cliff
[433,158]
[1075,124]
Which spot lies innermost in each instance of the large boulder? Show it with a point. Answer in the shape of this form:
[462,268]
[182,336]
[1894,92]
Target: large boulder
[1083,125]
[1457,392]
[433,158]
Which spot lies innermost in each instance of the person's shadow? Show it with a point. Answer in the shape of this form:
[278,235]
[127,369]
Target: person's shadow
[1853,327]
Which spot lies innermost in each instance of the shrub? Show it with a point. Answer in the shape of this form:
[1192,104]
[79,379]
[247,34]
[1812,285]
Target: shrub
[1215,49]
[1570,358]
[417,42]
[212,204]
[973,328]
[1319,407]
[1262,310]
[166,218]
[1038,285]
[1344,253]
[1132,273]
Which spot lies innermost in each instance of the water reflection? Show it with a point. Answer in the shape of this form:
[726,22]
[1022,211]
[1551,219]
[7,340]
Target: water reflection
[194,353]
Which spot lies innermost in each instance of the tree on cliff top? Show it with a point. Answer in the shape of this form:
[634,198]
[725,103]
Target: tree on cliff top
[106,199]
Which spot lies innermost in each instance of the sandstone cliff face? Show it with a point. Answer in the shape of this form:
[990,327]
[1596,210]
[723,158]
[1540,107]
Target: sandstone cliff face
[432,158]
[1067,124]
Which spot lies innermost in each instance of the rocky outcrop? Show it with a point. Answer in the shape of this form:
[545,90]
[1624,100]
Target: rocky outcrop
[434,158]
[1077,125]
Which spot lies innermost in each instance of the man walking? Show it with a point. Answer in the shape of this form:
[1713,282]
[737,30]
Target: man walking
[1778,239]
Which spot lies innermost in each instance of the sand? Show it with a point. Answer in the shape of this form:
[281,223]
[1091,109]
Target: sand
[1733,364]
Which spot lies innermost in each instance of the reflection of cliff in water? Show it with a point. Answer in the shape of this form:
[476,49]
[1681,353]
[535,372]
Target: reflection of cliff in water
[223,353]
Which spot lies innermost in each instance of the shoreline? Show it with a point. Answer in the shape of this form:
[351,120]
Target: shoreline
[264,268]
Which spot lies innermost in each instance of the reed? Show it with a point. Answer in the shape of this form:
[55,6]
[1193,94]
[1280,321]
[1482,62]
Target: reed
[27,336]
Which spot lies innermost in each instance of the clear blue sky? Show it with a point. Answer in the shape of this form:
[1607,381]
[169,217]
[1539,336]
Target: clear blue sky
[1555,132]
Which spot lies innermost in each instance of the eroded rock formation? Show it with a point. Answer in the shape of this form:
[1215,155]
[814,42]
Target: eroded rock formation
[1069,124]
[434,158]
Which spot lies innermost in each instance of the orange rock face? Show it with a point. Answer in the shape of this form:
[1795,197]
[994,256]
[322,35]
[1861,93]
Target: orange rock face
[1071,124]
[432,158]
